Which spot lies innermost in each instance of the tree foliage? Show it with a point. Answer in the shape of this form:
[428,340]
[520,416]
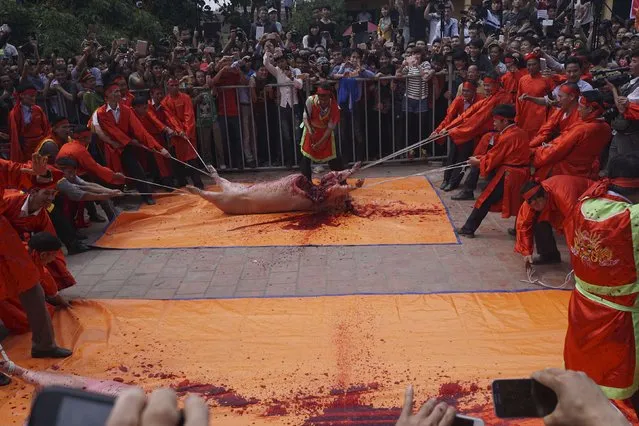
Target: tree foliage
[61,25]
[303,15]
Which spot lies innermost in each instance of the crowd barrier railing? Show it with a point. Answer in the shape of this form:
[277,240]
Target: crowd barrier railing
[258,129]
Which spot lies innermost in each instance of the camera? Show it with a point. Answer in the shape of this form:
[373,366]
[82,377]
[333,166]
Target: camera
[616,76]
[241,35]
[139,4]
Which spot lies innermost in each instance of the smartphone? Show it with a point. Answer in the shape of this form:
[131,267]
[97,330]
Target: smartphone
[522,398]
[142,48]
[467,421]
[60,406]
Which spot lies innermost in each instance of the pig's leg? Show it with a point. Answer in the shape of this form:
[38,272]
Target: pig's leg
[345,174]
[210,196]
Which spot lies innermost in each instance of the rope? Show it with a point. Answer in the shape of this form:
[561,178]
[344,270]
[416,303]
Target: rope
[11,366]
[196,153]
[441,169]
[180,161]
[124,194]
[153,183]
[530,273]
[404,150]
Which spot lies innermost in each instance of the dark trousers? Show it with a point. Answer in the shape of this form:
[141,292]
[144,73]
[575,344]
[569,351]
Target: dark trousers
[182,172]
[472,177]
[457,154]
[288,134]
[63,227]
[545,240]
[478,214]
[33,302]
[132,168]
[336,164]
[352,140]
[230,127]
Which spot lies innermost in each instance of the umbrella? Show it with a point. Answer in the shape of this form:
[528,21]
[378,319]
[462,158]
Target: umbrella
[370,28]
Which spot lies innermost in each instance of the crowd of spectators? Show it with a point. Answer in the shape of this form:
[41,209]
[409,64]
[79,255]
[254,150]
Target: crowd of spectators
[390,72]
[406,39]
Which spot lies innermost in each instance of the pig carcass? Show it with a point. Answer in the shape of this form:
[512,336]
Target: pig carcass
[290,193]
[45,378]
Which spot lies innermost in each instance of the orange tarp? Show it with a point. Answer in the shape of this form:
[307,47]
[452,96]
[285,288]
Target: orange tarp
[307,361]
[406,211]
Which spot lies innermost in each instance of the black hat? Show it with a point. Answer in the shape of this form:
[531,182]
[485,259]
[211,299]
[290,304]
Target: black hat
[44,241]
[505,110]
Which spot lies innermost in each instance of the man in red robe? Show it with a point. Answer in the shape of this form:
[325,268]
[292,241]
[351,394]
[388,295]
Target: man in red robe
[602,234]
[42,248]
[17,316]
[126,97]
[476,121]
[76,148]
[161,133]
[507,167]
[27,213]
[321,117]
[510,80]
[546,206]
[60,131]
[121,131]
[159,114]
[457,153]
[560,118]
[180,106]
[576,152]
[531,116]
[19,276]
[28,125]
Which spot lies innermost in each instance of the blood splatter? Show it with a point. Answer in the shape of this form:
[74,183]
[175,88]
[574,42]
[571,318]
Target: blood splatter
[224,397]
[118,379]
[123,369]
[276,410]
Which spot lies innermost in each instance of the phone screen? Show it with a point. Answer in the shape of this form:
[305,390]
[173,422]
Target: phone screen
[81,412]
[59,406]
[467,421]
[522,398]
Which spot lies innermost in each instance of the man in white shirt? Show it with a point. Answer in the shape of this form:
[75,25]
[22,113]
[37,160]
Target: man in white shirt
[451,25]
[288,85]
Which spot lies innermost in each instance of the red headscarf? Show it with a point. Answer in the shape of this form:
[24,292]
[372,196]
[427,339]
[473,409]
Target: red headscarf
[601,188]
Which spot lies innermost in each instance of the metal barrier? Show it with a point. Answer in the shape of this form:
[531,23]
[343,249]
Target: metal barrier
[265,135]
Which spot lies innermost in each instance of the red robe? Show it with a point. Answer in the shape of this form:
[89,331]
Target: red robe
[486,142]
[181,107]
[455,109]
[122,132]
[320,123]
[18,273]
[509,159]
[11,311]
[478,119]
[155,128]
[632,112]
[563,193]
[601,339]
[575,152]
[510,82]
[86,164]
[25,138]
[556,124]
[531,116]
[38,223]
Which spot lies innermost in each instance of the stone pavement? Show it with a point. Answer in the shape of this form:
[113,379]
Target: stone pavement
[486,263]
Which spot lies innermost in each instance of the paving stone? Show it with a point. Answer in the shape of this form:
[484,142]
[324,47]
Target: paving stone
[193,287]
[160,293]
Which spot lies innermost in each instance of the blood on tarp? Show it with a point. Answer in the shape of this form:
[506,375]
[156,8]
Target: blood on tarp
[219,394]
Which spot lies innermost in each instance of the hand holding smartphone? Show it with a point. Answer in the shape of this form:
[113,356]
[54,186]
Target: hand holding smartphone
[516,398]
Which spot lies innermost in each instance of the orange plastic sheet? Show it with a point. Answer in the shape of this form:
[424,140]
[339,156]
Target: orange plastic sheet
[311,361]
[406,211]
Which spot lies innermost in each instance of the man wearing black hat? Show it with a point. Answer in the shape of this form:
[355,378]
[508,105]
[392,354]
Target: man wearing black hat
[507,167]
[28,124]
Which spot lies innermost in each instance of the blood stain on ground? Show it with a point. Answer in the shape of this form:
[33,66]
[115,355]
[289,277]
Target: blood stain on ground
[222,396]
